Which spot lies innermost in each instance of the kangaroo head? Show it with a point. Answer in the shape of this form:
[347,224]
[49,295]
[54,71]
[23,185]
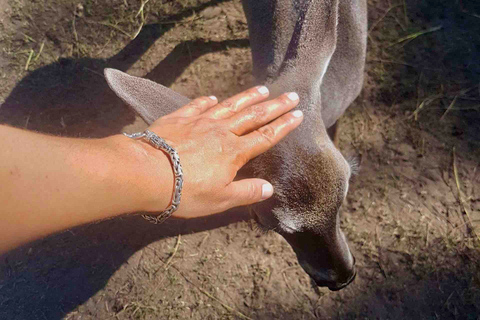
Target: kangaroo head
[310,183]
[309,174]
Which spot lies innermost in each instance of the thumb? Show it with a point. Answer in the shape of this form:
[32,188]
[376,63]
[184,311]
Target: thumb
[248,191]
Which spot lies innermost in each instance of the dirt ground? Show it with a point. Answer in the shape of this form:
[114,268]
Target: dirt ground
[412,215]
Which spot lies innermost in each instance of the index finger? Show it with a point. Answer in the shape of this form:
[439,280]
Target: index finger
[194,107]
[238,102]
[264,138]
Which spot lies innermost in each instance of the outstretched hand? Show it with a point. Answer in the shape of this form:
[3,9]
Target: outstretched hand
[214,140]
[54,183]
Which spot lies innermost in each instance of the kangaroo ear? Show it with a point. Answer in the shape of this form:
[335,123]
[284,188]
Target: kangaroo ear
[149,99]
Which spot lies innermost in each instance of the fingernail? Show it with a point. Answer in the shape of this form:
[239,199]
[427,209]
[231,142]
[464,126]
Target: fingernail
[213,98]
[262,90]
[293,96]
[267,191]
[297,113]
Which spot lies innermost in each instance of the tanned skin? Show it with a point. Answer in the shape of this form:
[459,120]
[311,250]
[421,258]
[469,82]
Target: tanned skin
[53,183]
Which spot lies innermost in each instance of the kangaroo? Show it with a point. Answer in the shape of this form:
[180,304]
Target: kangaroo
[316,48]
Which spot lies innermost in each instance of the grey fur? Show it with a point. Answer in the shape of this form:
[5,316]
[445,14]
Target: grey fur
[316,48]
[144,96]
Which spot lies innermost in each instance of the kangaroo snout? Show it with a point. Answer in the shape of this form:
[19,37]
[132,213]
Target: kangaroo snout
[326,259]
[329,278]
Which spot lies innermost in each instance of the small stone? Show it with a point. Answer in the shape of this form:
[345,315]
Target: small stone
[211,12]
[79,10]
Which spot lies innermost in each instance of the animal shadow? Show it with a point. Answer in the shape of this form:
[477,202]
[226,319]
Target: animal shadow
[51,277]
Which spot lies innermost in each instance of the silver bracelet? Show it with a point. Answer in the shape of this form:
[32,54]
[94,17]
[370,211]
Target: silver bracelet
[159,143]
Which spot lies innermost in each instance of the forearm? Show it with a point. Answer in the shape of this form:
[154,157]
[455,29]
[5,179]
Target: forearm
[48,184]
[52,183]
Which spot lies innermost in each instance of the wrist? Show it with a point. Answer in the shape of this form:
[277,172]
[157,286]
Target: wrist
[145,171]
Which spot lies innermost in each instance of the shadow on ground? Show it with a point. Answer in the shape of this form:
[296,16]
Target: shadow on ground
[436,289]
[432,57]
[71,97]
[51,277]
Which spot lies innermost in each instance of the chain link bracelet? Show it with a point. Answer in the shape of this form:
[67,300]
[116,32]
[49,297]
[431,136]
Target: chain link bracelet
[160,144]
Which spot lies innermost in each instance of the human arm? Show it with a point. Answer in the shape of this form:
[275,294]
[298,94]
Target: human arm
[54,183]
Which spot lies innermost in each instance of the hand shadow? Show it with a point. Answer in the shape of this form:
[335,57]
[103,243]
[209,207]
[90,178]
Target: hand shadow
[52,276]
[71,97]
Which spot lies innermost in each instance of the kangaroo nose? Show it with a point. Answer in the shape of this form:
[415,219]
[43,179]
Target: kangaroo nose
[335,286]
[335,278]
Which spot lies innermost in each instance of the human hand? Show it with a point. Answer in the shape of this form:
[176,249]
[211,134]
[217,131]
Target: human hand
[214,140]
